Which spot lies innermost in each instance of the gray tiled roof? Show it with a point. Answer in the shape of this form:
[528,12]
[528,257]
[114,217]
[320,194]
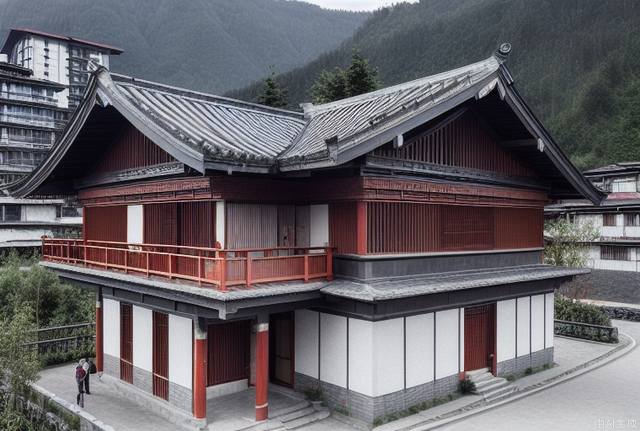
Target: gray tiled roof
[403,287]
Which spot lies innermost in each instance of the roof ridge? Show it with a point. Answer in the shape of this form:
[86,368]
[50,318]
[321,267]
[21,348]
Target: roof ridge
[313,109]
[200,95]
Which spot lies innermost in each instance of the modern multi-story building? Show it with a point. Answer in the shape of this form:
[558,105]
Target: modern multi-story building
[615,253]
[376,249]
[32,115]
[57,58]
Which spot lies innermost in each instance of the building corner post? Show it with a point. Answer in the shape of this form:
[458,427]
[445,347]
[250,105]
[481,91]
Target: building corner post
[99,333]
[199,369]
[262,368]
[361,227]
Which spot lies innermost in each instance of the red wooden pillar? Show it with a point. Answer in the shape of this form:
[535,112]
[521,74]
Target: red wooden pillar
[199,370]
[262,369]
[361,227]
[99,335]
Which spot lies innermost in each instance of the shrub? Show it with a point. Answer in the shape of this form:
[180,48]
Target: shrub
[579,312]
[466,386]
[313,394]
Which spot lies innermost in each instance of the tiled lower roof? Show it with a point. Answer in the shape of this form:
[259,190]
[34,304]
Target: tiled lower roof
[403,287]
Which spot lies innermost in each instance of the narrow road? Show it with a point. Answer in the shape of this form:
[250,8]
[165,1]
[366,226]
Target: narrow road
[604,399]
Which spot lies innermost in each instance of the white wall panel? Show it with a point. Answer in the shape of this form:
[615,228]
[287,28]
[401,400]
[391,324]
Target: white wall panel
[523,326]
[548,327]
[306,342]
[537,323]
[446,343]
[319,221]
[143,338]
[220,223]
[506,329]
[333,349]
[419,349]
[361,357]
[180,350]
[388,363]
[135,222]
[111,322]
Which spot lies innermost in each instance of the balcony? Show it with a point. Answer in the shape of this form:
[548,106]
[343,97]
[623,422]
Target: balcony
[208,267]
[28,97]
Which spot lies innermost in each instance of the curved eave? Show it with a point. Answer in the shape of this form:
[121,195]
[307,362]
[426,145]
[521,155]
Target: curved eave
[578,181]
[101,91]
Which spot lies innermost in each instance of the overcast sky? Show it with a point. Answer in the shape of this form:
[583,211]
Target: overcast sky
[355,4]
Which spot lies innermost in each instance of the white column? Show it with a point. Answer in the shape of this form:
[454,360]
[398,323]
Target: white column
[220,222]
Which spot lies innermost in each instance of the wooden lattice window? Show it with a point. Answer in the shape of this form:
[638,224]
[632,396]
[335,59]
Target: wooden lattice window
[608,219]
[126,343]
[612,252]
[161,355]
[632,219]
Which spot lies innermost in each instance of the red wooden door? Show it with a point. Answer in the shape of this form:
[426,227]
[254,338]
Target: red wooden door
[281,348]
[228,356]
[479,337]
[126,343]
[161,355]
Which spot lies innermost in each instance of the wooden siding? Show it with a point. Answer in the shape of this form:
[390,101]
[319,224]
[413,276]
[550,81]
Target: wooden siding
[161,224]
[105,223]
[180,223]
[130,149]
[228,355]
[161,355]
[464,142]
[394,227]
[126,342]
[343,227]
[252,226]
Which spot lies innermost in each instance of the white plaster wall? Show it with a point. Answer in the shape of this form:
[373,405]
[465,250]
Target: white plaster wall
[361,357]
[306,342]
[419,349]
[388,356]
[506,329]
[461,339]
[446,343]
[319,224]
[111,322]
[39,213]
[632,231]
[615,265]
[613,231]
[135,222]
[537,322]
[333,349]
[180,350]
[548,327]
[220,222]
[523,345]
[143,338]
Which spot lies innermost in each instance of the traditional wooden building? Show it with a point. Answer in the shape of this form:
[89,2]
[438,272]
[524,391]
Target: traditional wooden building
[375,248]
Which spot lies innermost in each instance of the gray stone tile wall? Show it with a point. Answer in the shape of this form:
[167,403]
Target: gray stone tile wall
[520,364]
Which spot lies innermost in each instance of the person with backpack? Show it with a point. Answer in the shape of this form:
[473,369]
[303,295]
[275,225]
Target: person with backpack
[80,378]
[86,366]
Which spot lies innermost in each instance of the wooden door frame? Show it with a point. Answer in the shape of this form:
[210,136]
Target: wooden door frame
[492,332]
[272,353]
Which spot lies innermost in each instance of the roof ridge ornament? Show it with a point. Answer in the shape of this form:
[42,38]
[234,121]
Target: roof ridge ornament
[503,51]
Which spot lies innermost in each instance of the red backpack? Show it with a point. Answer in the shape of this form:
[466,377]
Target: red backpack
[80,373]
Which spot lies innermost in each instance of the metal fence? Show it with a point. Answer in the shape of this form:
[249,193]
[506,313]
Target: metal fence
[63,339]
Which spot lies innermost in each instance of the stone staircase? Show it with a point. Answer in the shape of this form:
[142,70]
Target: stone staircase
[491,388]
[291,418]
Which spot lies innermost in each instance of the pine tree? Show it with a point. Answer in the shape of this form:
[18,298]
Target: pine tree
[358,78]
[361,77]
[272,93]
[330,86]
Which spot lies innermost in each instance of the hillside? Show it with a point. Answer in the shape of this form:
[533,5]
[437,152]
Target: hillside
[209,45]
[575,61]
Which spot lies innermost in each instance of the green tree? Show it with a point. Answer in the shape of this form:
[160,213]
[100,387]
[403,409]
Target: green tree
[567,243]
[19,366]
[273,94]
[358,78]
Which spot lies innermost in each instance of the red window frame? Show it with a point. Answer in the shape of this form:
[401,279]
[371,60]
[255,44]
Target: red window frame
[161,355]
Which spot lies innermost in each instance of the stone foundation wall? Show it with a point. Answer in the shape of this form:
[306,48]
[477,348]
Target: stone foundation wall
[111,365]
[368,408]
[520,364]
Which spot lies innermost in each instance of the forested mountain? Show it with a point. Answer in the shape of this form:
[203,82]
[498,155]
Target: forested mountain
[576,61]
[209,45]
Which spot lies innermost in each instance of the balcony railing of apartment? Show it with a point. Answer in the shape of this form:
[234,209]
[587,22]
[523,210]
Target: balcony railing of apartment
[28,97]
[34,143]
[32,120]
[219,268]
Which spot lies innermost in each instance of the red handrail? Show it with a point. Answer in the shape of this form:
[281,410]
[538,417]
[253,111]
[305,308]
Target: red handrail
[210,266]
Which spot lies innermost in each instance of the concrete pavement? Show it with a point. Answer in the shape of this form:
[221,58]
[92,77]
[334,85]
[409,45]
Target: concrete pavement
[604,399]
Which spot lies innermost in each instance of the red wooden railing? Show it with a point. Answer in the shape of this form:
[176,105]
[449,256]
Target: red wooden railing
[219,267]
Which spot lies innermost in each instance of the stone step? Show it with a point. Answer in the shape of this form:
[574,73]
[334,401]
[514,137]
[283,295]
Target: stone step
[306,420]
[296,415]
[481,377]
[282,412]
[499,393]
[491,385]
[473,373]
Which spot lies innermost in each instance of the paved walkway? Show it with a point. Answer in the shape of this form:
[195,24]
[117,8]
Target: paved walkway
[604,399]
